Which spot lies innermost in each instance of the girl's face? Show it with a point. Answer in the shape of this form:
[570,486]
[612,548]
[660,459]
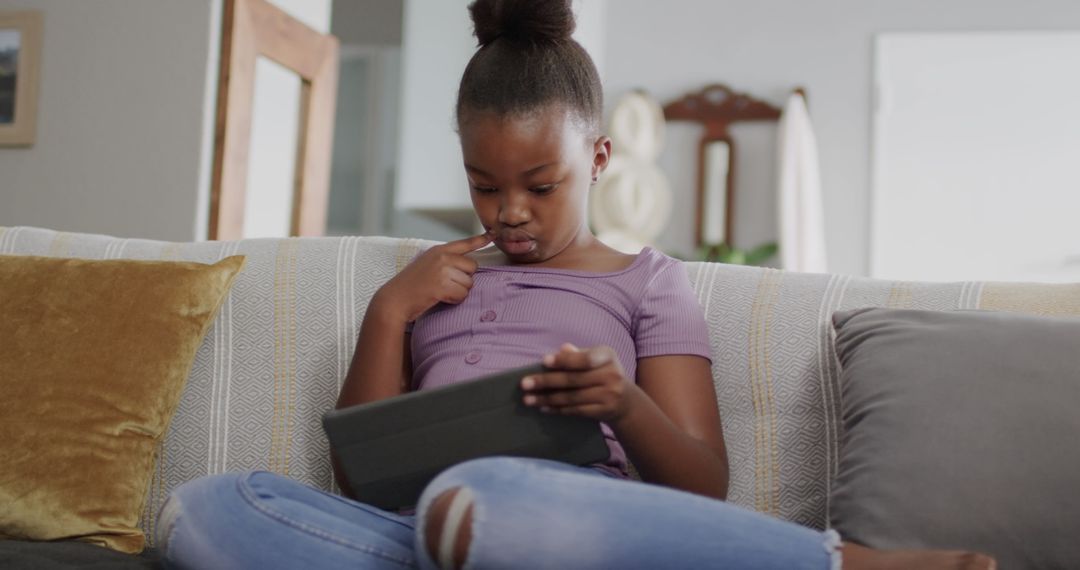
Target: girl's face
[529,178]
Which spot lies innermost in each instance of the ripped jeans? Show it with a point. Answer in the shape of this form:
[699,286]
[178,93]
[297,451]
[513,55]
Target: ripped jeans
[527,513]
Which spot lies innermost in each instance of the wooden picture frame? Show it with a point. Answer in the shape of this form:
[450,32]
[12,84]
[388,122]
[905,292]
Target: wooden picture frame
[20,74]
[253,28]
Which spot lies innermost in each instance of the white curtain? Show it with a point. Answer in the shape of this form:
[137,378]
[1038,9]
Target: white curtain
[802,224]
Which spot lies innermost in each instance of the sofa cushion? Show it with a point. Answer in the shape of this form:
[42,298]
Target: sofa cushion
[959,432]
[93,359]
[271,363]
[777,377]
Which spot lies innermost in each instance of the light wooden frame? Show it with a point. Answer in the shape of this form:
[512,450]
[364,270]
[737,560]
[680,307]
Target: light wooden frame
[22,131]
[253,28]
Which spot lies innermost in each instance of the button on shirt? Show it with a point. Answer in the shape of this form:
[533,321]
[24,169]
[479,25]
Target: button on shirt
[516,314]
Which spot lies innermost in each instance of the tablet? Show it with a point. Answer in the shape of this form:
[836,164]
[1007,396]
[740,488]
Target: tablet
[390,449]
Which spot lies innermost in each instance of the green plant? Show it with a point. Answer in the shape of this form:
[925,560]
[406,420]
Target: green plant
[724,253]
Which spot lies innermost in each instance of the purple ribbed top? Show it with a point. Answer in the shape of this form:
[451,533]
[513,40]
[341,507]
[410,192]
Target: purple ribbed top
[515,314]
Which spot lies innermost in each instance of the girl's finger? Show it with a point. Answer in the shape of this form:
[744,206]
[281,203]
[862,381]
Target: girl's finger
[464,264]
[580,359]
[566,349]
[468,244]
[461,278]
[456,294]
[559,380]
[594,411]
[564,398]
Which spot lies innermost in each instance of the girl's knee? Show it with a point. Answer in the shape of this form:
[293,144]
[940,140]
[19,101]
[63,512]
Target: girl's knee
[445,510]
[447,527]
[197,499]
[208,490]
[483,472]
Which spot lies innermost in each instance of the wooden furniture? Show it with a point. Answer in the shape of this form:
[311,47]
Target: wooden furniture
[253,28]
[21,88]
[717,107]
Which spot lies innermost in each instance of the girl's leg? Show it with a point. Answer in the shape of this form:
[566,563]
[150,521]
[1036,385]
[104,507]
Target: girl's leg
[542,514]
[264,521]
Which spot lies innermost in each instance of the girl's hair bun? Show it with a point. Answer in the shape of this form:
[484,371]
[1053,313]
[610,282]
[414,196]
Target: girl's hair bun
[522,21]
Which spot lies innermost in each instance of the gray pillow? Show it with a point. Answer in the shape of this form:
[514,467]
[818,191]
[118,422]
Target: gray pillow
[961,431]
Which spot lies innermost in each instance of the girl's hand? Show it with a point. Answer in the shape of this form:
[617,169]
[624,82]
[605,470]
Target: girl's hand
[589,383]
[442,274]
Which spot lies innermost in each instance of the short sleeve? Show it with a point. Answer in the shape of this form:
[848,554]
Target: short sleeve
[669,319]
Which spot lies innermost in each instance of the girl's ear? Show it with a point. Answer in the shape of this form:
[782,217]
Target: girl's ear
[601,155]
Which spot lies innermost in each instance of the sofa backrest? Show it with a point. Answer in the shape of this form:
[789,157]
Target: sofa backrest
[279,349]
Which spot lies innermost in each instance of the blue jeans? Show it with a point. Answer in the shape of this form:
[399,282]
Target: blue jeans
[527,513]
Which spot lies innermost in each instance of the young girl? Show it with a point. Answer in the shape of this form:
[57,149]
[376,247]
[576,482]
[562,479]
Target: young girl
[528,112]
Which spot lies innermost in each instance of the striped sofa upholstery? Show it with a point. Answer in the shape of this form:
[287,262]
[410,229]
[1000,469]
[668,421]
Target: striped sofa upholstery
[279,349]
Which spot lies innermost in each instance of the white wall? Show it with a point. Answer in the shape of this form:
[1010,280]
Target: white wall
[121,119]
[976,136]
[767,47]
[436,45]
[591,31]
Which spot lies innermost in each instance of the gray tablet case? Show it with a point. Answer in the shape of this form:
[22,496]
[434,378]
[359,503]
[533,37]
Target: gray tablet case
[390,449]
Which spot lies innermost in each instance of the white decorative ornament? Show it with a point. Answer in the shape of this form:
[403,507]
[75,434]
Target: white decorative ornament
[631,202]
[637,127]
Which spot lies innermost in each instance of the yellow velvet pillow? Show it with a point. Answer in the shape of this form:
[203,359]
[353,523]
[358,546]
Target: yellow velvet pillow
[94,355]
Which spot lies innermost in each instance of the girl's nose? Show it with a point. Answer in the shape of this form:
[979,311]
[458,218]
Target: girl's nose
[514,210]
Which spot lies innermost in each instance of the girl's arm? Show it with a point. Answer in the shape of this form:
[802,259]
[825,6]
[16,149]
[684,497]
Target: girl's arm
[668,422]
[673,435]
[382,365]
[381,368]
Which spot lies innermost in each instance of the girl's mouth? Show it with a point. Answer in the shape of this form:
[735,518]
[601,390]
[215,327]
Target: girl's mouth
[515,242]
[516,246]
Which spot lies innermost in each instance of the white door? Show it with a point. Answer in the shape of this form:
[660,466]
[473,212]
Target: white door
[976,158]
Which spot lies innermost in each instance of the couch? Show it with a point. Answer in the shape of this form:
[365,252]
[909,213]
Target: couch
[275,357]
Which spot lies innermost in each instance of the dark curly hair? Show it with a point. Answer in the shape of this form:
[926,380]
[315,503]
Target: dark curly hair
[527,61]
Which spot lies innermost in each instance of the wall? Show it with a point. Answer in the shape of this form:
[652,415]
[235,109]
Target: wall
[121,119]
[974,134]
[366,125]
[769,46]
[436,45]
[126,118]
[368,22]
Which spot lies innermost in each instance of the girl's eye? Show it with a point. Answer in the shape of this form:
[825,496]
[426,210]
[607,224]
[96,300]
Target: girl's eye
[543,189]
[484,189]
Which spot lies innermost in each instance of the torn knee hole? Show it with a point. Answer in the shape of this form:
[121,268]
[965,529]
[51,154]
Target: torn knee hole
[448,527]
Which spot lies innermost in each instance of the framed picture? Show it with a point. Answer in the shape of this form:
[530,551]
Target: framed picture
[20,61]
